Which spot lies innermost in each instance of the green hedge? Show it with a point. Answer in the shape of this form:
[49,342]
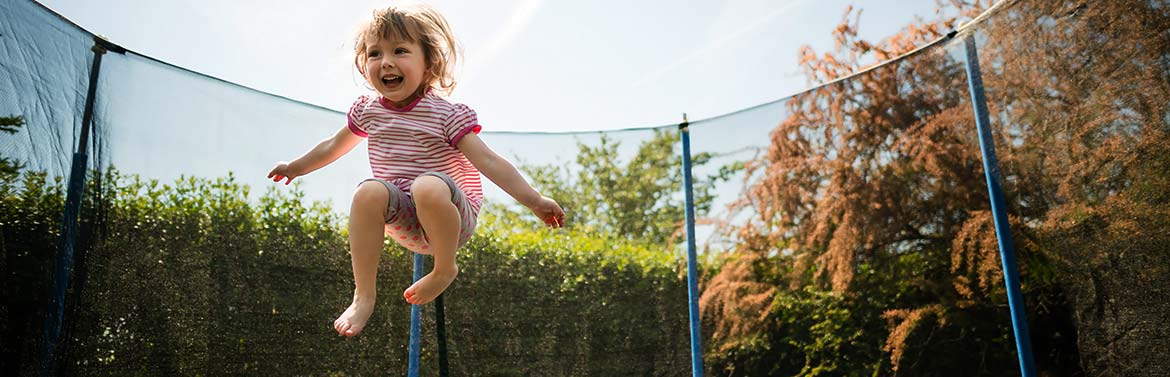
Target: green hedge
[193,278]
[30,212]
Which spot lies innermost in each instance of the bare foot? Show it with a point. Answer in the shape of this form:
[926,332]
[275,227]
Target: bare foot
[426,289]
[353,320]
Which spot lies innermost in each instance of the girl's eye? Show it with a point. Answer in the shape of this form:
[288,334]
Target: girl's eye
[374,54]
[400,51]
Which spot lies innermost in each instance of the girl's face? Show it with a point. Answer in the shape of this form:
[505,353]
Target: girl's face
[396,69]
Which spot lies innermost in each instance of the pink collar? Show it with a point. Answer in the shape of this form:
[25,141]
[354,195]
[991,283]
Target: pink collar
[390,105]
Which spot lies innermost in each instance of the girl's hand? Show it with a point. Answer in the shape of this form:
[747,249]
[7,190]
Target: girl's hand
[549,212]
[283,171]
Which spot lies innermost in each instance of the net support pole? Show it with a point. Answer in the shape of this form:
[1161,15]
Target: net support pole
[692,263]
[415,322]
[1007,252]
[63,261]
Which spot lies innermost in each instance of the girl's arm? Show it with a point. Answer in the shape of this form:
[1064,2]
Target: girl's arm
[503,174]
[324,153]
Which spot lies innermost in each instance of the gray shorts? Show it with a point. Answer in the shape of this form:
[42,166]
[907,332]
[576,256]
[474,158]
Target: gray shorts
[402,219]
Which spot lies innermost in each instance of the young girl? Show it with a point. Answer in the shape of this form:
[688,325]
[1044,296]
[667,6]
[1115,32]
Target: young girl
[425,155]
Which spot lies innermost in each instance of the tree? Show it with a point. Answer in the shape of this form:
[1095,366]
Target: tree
[641,199]
[872,188]
[860,193]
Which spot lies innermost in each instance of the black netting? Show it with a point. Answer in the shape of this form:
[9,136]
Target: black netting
[1080,100]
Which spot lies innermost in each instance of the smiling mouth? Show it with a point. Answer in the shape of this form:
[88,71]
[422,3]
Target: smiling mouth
[392,81]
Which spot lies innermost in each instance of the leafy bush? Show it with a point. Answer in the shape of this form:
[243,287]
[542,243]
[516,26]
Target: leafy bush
[193,278]
[30,223]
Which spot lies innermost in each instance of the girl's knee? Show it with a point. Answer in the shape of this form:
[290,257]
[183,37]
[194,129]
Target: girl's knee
[371,192]
[430,189]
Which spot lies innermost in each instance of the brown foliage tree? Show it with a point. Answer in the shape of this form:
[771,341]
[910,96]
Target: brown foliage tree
[873,164]
[1084,92]
[884,167]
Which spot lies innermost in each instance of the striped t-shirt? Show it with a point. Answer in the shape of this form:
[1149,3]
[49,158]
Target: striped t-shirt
[418,138]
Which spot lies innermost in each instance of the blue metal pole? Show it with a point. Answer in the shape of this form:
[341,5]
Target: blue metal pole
[692,265]
[63,261]
[1007,252]
[415,322]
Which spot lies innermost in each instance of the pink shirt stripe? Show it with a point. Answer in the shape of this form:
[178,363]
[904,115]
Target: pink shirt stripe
[418,138]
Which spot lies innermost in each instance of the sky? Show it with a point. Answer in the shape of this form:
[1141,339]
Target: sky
[529,65]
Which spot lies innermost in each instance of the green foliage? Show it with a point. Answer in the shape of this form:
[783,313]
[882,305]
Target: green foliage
[641,199]
[569,302]
[10,125]
[807,333]
[31,205]
[30,222]
[574,245]
[191,277]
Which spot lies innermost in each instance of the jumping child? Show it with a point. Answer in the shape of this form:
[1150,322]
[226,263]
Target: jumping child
[425,155]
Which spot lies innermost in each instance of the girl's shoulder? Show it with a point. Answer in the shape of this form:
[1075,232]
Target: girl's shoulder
[362,103]
[456,117]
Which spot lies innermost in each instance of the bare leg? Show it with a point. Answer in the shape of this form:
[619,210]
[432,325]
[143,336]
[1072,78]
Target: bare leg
[440,219]
[366,229]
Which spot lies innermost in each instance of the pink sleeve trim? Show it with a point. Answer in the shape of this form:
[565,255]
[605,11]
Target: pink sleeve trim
[472,128]
[356,131]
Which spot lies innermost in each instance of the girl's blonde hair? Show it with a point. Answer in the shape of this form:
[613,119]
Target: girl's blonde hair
[418,23]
